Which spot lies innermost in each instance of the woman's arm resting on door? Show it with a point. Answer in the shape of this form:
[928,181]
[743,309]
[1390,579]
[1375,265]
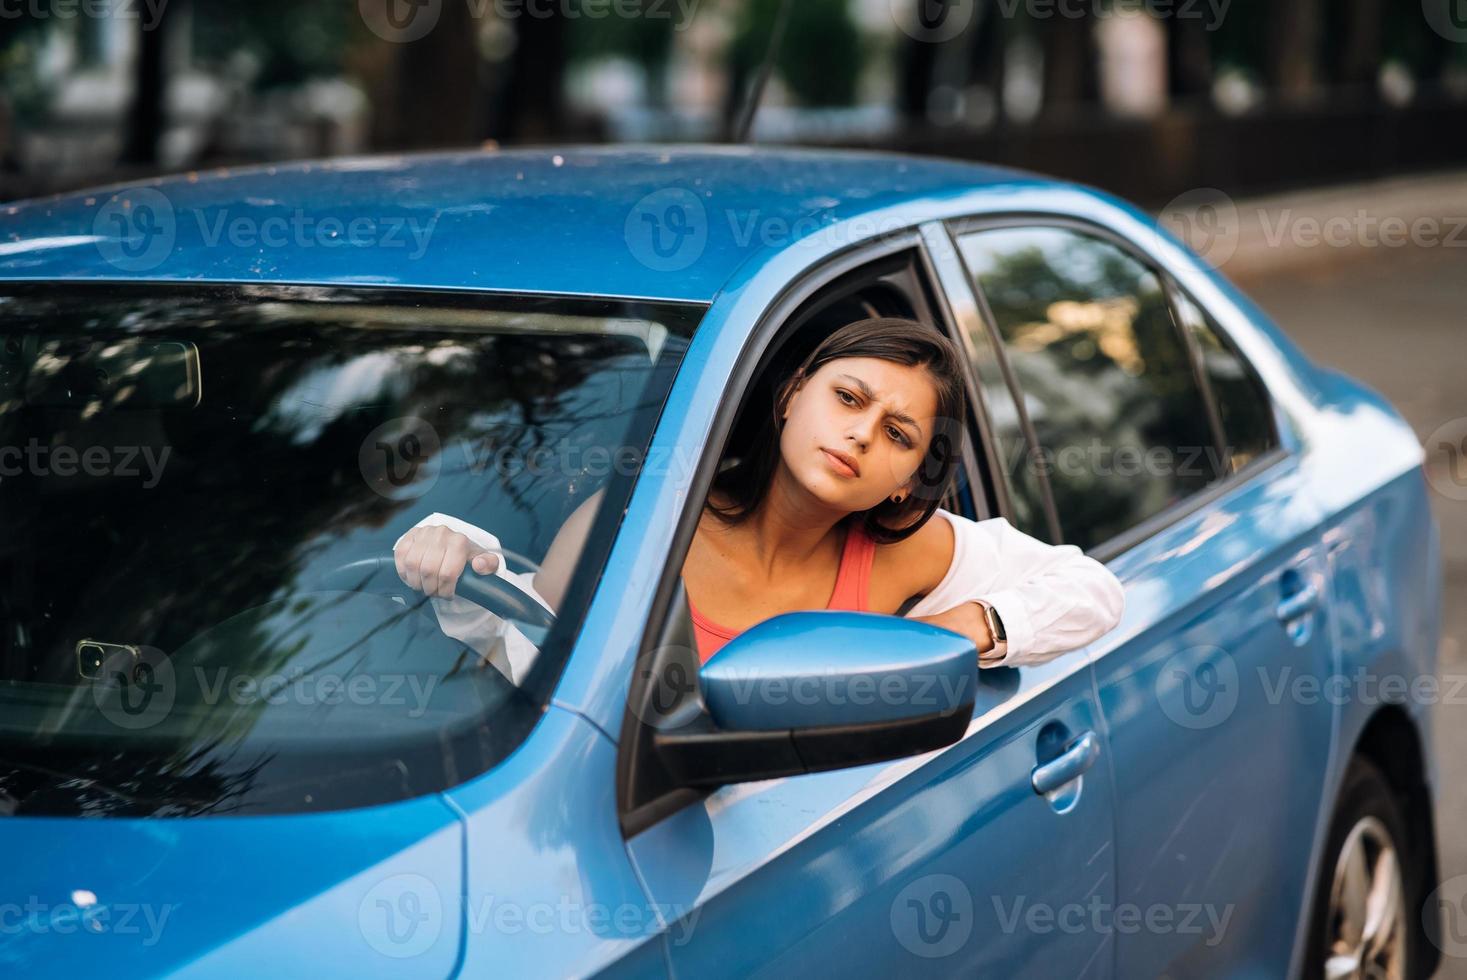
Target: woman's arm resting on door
[1051,598]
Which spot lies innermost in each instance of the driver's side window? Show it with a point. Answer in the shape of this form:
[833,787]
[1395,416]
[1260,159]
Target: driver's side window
[892,287]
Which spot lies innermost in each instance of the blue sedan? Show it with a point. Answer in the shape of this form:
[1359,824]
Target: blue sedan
[232,745]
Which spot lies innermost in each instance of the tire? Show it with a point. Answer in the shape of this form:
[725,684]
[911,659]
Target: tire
[1370,823]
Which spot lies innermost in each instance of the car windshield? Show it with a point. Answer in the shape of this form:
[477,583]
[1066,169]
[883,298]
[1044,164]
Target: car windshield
[202,487]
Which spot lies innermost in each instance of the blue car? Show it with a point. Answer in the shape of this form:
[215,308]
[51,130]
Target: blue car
[233,746]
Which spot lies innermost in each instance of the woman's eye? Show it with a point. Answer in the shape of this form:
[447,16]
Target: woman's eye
[897,435]
[845,396]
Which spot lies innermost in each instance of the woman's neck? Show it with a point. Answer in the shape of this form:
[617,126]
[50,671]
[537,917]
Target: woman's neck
[788,531]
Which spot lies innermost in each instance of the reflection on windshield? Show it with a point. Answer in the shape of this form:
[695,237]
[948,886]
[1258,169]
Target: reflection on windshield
[197,483]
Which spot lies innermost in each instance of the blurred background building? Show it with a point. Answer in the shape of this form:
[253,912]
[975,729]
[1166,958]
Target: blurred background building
[1144,97]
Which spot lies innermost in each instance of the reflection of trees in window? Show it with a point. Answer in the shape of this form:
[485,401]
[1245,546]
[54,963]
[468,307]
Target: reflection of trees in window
[1242,400]
[1104,374]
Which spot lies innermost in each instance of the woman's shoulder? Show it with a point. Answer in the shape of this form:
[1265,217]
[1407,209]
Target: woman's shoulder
[921,559]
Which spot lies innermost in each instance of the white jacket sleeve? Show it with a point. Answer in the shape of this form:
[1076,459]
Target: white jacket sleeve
[1051,598]
[492,637]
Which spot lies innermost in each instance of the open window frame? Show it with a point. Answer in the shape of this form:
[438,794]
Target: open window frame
[664,696]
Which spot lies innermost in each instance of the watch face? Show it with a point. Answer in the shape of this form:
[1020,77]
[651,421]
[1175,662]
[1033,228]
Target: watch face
[995,624]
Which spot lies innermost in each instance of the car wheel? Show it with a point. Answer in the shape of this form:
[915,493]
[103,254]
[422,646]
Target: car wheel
[1368,886]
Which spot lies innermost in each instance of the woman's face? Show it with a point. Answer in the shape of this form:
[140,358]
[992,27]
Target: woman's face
[878,414]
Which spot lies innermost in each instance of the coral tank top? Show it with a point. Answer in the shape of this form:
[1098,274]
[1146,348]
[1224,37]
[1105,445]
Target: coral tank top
[852,587]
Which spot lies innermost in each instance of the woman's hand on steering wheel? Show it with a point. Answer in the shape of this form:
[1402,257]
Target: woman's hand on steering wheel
[431,559]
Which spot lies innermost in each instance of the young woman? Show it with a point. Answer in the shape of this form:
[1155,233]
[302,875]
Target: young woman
[830,506]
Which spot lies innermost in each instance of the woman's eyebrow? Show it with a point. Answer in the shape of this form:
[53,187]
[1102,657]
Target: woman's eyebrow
[901,417]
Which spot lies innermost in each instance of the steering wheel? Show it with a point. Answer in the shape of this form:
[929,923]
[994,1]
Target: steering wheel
[498,595]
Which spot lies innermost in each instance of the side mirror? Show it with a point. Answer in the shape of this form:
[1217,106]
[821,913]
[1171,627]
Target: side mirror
[812,691]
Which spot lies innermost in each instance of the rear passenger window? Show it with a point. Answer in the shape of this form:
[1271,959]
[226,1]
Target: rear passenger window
[1104,374]
[1242,400]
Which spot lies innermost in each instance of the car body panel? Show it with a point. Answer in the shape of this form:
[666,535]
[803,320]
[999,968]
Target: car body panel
[551,889]
[569,220]
[897,866]
[1217,772]
[198,897]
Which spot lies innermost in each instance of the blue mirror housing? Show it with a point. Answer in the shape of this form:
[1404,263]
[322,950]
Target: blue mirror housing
[830,669]
[799,693]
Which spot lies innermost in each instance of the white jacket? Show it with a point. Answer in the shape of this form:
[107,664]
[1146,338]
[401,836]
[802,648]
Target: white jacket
[1052,598]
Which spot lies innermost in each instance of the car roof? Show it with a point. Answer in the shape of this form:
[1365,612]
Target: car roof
[657,222]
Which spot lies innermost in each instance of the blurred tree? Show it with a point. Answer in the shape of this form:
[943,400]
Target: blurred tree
[1360,55]
[289,42]
[22,94]
[917,69]
[147,117]
[530,104]
[1239,43]
[1351,44]
[1189,57]
[1068,39]
[1411,39]
[645,40]
[989,55]
[819,59]
[1294,49]
[439,89]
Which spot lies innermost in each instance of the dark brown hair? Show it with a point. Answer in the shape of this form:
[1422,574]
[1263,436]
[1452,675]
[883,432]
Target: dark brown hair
[895,339]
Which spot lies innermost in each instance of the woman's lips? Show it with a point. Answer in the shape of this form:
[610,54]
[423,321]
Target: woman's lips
[840,465]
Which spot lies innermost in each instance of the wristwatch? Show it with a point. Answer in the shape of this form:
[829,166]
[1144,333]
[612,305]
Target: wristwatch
[1000,648]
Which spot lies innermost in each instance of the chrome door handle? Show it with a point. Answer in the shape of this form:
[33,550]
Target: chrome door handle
[1070,766]
[1299,604]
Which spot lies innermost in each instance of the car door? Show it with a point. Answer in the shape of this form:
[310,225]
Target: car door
[1159,454]
[948,863]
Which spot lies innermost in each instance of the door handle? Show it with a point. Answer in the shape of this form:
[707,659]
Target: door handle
[1299,604]
[1070,765]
